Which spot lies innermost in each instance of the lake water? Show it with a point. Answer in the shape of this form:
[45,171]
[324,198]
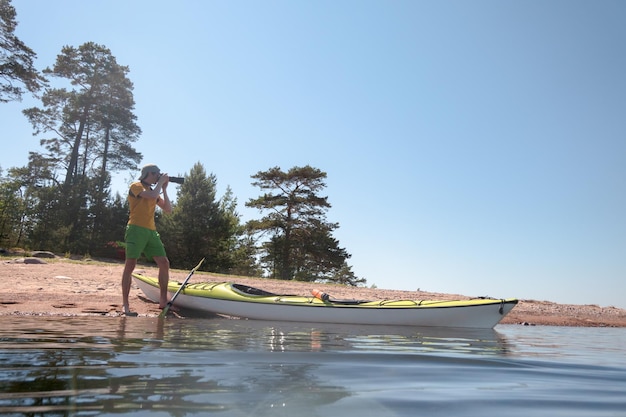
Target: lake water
[193,367]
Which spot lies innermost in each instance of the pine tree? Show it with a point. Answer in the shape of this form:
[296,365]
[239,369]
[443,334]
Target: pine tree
[92,130]
[300,244]
[16,59]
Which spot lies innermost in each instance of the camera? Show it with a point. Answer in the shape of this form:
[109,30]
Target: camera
[175,180]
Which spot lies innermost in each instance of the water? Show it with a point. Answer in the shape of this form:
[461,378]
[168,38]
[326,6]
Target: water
[193,367]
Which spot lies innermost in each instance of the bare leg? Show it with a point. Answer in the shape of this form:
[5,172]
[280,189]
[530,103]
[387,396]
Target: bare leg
[164,277]
[129,267]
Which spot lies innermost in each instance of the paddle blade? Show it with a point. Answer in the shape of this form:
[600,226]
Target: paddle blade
[165,310]
[169,304]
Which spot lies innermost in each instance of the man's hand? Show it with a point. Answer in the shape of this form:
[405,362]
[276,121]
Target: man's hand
[164,180]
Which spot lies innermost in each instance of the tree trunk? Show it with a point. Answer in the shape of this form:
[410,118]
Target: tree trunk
[72,166]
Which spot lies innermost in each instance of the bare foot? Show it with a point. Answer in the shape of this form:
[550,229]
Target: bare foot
[129,313]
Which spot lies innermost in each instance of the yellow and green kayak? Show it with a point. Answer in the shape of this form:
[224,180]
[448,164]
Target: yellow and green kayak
[237,300]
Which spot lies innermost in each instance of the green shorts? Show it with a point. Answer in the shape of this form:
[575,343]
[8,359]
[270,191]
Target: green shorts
[139,239]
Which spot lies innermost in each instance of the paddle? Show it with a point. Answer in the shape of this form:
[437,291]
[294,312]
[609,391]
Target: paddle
[169,304]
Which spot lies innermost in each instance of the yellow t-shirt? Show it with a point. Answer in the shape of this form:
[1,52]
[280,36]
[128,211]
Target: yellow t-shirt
[141,209]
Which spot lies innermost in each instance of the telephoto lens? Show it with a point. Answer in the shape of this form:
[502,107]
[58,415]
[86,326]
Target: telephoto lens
[177,180]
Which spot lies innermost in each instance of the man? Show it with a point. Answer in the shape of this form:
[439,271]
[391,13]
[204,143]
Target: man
[141,234]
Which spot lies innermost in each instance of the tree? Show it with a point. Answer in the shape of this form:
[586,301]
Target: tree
[93,130]
[201,225]
[300,245]
[40,196]
[112,217]
[11,212]
[238,251]
[16,59]
[93,125]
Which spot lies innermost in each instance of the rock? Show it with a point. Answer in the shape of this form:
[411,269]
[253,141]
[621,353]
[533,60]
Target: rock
[43,254]
[34,261]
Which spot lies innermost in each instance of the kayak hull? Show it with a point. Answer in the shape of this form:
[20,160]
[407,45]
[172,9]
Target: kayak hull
[234,300]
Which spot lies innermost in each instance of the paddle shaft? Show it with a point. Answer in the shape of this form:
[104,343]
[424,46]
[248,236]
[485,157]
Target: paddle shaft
[169,304]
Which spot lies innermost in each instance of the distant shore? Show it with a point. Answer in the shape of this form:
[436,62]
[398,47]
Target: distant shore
[62,287]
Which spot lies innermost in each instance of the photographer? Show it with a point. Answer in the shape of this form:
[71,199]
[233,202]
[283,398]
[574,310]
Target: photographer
[141,234]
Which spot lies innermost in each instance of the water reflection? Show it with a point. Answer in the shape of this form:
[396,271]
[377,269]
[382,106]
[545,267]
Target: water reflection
[60,366]
[244,335]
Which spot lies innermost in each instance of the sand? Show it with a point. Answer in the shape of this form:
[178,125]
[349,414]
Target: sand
[64,287]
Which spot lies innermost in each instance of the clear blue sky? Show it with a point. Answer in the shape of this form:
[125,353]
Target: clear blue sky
[472,147]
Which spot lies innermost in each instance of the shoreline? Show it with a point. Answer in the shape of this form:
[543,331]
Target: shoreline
[64,287]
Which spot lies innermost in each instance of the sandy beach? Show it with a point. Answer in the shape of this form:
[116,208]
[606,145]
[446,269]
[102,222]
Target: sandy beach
[64,287]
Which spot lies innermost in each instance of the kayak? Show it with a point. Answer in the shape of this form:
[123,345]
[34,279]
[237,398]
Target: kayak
[242,301]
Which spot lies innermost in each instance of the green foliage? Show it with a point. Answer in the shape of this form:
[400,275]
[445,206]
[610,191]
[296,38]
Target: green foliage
[108,223]
[92,126]
[202,226]
[90,131]
[300,244]
[12,209]
[346,276]
[16,59]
